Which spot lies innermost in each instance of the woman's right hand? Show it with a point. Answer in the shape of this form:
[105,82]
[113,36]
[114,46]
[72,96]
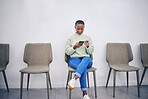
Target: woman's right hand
[77,45]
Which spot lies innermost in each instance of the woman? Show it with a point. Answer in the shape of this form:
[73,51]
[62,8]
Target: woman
[79,47]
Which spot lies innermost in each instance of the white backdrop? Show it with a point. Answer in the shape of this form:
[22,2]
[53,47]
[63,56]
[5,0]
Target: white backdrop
[27,21]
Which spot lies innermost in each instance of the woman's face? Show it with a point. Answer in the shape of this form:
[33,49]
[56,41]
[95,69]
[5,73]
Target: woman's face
[79,28]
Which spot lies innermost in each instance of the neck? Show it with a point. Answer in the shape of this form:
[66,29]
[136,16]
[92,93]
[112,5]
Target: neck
[79,34]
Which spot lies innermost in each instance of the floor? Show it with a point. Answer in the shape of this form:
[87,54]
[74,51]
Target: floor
[62,93]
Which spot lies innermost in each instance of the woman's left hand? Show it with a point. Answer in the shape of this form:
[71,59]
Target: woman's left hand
[86,43]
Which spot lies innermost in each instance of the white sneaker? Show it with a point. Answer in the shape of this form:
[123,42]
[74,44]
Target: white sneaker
[71,83]
[86,97]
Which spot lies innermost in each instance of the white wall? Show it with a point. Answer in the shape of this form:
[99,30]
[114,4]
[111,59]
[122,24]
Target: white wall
[25,21]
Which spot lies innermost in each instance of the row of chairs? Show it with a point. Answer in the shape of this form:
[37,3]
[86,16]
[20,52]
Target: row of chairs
[38,57]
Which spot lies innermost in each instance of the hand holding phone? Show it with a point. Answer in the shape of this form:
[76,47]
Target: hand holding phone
[77,45]
[86,43]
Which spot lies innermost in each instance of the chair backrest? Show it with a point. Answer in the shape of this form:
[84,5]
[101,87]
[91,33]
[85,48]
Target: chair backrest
[4,55]
[144,54]
[118,53]
[38,54]
[67,58]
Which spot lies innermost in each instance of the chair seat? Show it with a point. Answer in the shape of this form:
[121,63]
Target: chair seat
[35,69]
[88,70]
[2,68]
[145,66]
[91,69]
[124,67]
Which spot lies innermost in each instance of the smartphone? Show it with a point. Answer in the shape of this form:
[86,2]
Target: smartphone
[81,42]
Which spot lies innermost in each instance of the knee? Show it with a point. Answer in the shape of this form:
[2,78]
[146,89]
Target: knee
[88,59]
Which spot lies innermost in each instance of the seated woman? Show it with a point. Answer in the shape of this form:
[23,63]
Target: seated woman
[79,47]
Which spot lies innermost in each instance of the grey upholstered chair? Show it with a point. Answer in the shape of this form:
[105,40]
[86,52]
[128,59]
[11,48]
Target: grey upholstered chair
[4,60]
[118,56]
[71,70]
[144,58]
[37,56]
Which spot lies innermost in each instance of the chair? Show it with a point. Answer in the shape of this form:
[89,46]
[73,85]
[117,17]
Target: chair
[71,70]
[118,56]
[144,59]
[4,60]
[37,56]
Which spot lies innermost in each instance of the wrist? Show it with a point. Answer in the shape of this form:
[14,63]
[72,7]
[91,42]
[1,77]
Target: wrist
[74,47]
[86,46]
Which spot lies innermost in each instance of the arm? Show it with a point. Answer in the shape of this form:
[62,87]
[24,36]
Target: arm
[69,50]
[89,47]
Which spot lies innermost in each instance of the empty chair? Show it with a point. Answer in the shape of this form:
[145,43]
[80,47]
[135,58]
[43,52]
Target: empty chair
[71,70]
[118,56]
[4,60]
[144,58]
[37,56]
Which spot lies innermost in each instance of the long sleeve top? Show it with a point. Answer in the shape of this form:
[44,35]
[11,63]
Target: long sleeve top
[82,51]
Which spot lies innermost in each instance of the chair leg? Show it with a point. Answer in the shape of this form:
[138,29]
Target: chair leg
[94,74]
[67,80]
[70,76]
[108,77]
[127,78]
[47,79]
[137,72]
[5,80]
[28,81]
[142,76]
[21,85]
[88,79]
[114,82]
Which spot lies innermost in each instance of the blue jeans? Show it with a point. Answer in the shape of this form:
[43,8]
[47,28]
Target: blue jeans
[80,65]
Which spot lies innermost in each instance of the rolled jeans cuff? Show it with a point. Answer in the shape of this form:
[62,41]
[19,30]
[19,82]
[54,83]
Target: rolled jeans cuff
[83,89]
[78,74]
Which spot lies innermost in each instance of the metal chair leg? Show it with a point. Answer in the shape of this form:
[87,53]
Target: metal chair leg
[127,78]
[94,74]
[88,79]
[47,79]
[142,76]
[67,80]
[21,85]
[5,80]
[28,81]
[70,76]
[137,72]
[108,77]
[114,82]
